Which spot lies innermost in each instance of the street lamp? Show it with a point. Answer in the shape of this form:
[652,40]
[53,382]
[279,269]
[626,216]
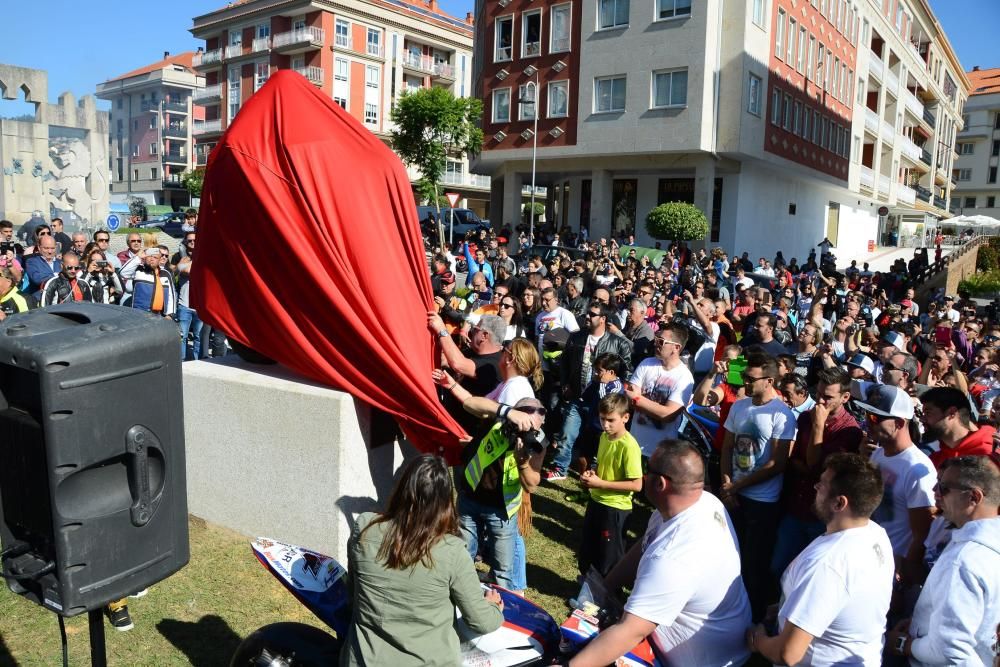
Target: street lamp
[531,70]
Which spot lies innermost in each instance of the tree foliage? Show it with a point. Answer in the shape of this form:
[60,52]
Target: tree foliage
[193,180]
[677,221]
[431,124]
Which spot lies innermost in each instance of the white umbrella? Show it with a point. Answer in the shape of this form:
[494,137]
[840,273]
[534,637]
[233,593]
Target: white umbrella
[973,221]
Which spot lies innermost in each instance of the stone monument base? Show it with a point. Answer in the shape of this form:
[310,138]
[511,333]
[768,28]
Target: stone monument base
[272,454]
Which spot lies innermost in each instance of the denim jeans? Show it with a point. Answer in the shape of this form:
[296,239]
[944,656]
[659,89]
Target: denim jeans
[189,322]
[500,537]
[574,412]
[794,535]
[520,573]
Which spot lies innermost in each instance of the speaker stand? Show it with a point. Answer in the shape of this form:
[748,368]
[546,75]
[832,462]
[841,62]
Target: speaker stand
[98,651]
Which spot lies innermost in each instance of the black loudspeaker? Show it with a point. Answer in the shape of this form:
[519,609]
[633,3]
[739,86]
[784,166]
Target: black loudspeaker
[92,480]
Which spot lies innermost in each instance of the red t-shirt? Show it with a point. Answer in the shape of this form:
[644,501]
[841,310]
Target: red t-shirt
[977,443]
[841,433]
[730,395]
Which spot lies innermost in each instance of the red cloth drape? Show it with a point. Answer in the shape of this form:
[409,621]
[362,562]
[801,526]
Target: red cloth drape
[309,252]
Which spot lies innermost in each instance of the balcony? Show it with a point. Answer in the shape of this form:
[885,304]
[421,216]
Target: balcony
[923,193]
[888,131]
[913,105]
[867,178]
[300,40]
[173,181]
[905,194]
[312,74]
[925,157]
[201,158]
[234,51]
[443,71]
[466,180]
[207,126]
[207,59]
[871,121]
[884,184]
[892,82]
[175,107]
[940,203]
[929,117]
[175,157]
[418,63]
[875,66]
[178,131]
[208,94]
[909,149]
[261,44]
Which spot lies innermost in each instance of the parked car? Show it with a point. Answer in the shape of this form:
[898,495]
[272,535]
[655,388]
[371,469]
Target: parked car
[546,252]
[465,221]
[161,220]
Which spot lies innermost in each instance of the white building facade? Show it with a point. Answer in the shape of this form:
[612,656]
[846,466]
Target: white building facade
[975,171]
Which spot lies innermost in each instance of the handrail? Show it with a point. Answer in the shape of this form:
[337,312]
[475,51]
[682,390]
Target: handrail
[934,268]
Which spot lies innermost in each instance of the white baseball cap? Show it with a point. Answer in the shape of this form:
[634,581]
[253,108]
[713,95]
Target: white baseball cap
[887,401]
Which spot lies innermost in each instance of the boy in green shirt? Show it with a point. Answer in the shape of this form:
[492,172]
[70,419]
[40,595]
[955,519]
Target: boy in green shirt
[611,485]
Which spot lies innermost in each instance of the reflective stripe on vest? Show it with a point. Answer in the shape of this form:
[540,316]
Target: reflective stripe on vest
[492,447]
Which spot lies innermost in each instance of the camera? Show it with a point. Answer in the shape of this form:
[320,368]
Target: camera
[102,263]
[534,440]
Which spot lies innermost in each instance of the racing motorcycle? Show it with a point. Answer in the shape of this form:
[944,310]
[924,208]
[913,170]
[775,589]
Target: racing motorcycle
[528,636]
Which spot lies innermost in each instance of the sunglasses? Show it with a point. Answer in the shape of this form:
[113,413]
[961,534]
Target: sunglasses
[945,489]
[506,305]
[660,342]
[45,233]
[750,379]
[531,410]
[589,314]
[103,240]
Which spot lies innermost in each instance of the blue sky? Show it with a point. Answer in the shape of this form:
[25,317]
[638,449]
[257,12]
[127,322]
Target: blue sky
[82,43]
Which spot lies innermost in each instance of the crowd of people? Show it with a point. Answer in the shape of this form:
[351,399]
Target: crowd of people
[845,509]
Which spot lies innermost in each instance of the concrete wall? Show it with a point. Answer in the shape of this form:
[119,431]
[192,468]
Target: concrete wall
[272,454]
[960,269]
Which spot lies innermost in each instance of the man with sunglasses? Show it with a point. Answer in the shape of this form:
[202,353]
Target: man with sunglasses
[909,477]
[102,238]
[955,621]
[687,595]
[759,432]
[133,248]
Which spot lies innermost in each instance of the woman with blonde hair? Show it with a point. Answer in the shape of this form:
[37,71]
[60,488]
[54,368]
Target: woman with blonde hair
[408,570]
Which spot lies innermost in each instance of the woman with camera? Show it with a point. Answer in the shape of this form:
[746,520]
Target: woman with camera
[408,570]
[105,286]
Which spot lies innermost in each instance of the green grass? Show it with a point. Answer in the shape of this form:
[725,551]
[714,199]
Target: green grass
[199,615]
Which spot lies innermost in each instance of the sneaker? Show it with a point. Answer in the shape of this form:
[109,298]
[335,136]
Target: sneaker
[553,475]
[119,617]
[140,594]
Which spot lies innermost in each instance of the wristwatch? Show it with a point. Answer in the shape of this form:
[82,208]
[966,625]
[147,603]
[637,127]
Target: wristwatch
[443,333]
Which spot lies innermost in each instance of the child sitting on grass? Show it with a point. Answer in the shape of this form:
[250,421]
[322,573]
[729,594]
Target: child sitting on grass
[611,485]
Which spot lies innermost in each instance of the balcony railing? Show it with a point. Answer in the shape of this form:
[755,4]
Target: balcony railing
[892,82]
[905,194]
[234,51]
[310,35]
[923,193]
[175,157]
[208,93]
[261,44]
[871,120]
[929,117]
[418,62]
[867,177]
[940,202]
[313,74]
[913,105]
[375,49]
[444,71]
[342,41]
[175,131]
[925,157]
[910,149]
[201,158]
[888,131]
[875,65]
[207,58]
[207,126]
[469,180]
[173,181]
[884,184]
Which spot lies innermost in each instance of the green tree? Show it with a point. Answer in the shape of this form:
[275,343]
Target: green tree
[431,124]
[677,221]
[193,179]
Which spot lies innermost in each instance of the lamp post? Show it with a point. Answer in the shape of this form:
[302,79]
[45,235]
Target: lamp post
[531,70]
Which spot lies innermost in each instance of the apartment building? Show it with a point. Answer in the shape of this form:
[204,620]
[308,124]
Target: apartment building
[781,119]
[362,53]
[151,130]
[975,170]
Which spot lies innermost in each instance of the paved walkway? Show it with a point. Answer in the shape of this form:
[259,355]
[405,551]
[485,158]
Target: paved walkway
[883,258]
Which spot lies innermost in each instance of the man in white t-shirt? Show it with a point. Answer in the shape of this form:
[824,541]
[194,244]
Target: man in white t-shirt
[552,316]
[687,595]
[835,594]
[908,475]
[704,310]
[759,432]
[660,389]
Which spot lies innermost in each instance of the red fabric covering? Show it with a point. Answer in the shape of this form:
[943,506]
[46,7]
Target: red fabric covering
[309,252]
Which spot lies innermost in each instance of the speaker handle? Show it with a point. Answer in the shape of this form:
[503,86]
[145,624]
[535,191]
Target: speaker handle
[137,443]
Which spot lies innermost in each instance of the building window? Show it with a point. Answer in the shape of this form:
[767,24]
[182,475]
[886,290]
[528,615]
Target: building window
[779,36]
[786,113]
[340,68]
[526,102]
[501,105]
[775,107]
[559,19]
[817,128]
[135,150]
[371,113]
[152,122]
[153,148]
[612,14]
[558,99]
[963,174]
[991,202]
[995,148]
[342,33]
[135,124]
[996,121]
[992,177]
[670,88]
[531,34]
[671,9]
[609,94]
[820,81]
[135,174]
[970,202]
[121,102]
[154,173]
[797,118]
[236,37]
[806,118]
[504,38]
[810,58]
[800,59]
[758,12]
[790,47]
[966,149]
[342,101]
[372,76]
[234,91]
[263,30]
[754,88]
[262,70]
[373,44]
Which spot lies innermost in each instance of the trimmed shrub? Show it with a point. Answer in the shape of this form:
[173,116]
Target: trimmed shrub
[677,221]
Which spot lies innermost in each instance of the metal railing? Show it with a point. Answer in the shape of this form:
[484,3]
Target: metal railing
[308,35]
[942,264]
[175,131]
[923,193]
[940,202]
[471,180]
[418,62]
[207,58]
[175,156]
[313,74]
[177,107]
[207,93]
[375,49]
[173,181]
[925,157]
[342,41]
[207,126]
[261,44]
[234,51]
[929,117]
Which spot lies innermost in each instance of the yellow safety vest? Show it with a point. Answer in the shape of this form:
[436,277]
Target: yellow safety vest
[492,447]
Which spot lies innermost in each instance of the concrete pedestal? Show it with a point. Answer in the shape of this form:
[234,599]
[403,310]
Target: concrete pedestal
[270,453]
